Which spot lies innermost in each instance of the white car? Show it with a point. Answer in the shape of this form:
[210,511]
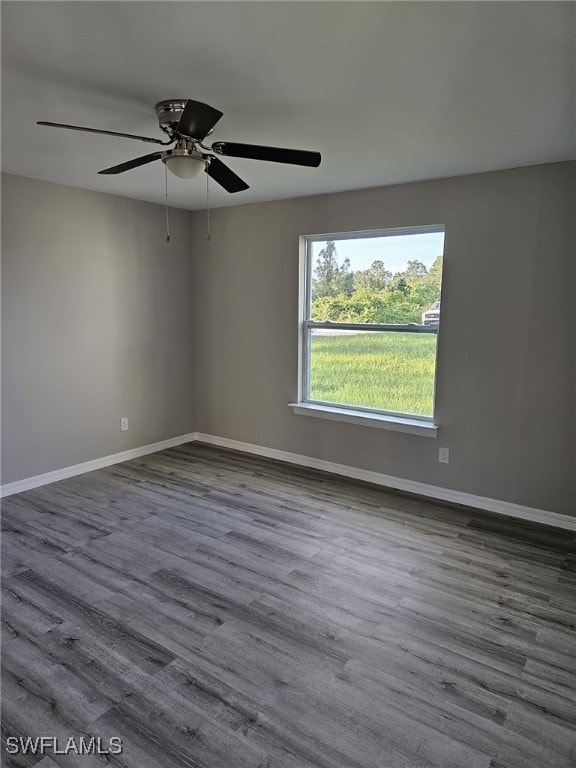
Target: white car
[432,315]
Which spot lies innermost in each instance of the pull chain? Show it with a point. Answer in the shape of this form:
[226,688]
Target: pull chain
[207,209]
[167,214]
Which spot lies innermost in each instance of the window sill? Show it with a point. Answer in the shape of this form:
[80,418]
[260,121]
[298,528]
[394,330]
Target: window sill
[378,420]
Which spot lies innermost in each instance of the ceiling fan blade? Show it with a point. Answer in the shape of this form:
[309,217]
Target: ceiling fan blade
[132,163]
[272,154]
[198,119]
[108,133]
[225,176]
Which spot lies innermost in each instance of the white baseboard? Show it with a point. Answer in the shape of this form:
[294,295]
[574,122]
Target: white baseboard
[411,486]
[8,489]
[388,481]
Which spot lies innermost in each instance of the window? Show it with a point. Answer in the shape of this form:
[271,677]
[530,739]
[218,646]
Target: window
[371,314]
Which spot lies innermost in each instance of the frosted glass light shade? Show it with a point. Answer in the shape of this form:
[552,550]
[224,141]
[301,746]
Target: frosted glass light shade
[184,166]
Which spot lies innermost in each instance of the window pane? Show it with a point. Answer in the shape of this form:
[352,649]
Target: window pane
[383,370]
[390,278]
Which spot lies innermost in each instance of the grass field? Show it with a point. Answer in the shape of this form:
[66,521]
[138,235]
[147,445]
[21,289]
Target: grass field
[388,371]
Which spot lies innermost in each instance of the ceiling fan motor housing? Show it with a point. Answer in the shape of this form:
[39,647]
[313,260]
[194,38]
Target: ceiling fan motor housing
[169,113]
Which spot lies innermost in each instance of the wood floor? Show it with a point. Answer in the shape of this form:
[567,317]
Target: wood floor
[215,610]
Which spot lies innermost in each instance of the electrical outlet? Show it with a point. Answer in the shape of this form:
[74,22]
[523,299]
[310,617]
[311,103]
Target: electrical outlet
[124,424]
[444,455]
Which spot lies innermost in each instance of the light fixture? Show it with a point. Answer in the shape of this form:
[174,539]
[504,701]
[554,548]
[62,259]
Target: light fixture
[184,163]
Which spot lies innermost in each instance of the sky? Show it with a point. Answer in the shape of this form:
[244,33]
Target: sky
[395,251]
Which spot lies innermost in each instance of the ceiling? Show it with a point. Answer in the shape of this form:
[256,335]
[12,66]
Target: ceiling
[388,92]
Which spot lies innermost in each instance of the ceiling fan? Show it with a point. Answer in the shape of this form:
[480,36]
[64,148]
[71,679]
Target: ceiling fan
[187,123]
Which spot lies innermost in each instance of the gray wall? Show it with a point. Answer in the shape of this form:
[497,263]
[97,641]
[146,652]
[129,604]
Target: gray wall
[506,394]
[103,319]
[97,324]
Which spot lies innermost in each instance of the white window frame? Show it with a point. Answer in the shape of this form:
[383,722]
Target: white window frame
[401,422]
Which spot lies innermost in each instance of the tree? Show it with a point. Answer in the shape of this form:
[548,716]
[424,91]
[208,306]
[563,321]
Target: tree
[325,272]
[415,269]
[435,274]
[345,279]
[330,278]
[375,278]
[400,285]
[426,290]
